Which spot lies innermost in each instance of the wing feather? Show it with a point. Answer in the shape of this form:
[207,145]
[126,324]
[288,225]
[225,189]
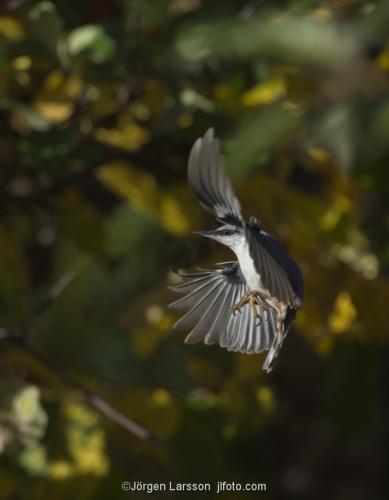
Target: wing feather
[250,328]
[266,329]
[257,340]
[274,275]
[209,182]
[196,292]
[221,316]
[197,310]
[205,325]
[188,285]
[208,298]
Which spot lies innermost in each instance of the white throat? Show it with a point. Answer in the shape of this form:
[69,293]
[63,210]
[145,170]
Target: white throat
[253,279]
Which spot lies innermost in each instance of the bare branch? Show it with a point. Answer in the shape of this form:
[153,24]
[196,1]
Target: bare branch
[20,340]
[90,397]
[53,295]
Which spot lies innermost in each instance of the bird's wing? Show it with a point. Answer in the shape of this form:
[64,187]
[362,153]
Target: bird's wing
[288,265]
[280,275]
[209,297]
[209,182]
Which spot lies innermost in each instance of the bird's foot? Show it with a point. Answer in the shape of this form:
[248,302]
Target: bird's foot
[256,298]
[244,299]
[251,298]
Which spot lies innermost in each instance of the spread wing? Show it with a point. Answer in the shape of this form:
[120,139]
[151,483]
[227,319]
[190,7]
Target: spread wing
[208,299]
[279,273]
[209,182]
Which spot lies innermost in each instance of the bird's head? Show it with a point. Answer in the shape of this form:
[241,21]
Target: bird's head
[229,235]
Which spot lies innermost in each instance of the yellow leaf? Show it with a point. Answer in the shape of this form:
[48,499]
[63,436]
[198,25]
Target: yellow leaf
[54,101]
[265,92]
[330,219]
[11,28]
[21,63]
[88,454]
[322,14]
[130,137]
[86,442]
[81,414]
[161,397]
[383,59]
[265,397]
[319,155]
[60,470]
[332,216]
[55,112]
[344,314]
[141,190]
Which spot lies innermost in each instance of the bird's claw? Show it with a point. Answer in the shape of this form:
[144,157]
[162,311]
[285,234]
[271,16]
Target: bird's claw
[236,309]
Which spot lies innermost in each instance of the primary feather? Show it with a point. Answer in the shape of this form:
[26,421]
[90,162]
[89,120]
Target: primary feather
[207,178]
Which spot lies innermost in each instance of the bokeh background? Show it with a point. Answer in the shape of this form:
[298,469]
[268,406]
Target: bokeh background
[100,103]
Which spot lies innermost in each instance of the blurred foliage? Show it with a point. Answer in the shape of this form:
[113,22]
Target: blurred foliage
[99,105]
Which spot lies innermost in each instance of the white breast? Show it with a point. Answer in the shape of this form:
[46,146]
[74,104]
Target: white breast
[246,263]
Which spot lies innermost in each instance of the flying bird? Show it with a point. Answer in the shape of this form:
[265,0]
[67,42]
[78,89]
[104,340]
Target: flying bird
[245,305]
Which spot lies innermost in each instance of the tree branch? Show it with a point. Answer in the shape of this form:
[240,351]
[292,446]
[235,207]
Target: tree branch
[90,397]
[20,340]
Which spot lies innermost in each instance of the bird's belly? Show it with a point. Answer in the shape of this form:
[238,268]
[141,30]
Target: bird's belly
[251,275]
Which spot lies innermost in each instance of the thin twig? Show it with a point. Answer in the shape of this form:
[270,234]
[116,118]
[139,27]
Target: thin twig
[90,397]
[19,339]
[53,295]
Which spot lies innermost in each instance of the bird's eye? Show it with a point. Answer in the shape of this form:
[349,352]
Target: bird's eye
[226,232]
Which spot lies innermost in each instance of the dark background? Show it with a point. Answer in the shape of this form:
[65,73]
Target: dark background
[100,103]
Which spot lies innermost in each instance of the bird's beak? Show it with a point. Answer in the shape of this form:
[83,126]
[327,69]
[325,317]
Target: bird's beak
[206,234]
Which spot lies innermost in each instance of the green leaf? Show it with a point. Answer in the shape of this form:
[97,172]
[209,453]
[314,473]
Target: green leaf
[257,136]
[295,39]
[93,42]
[28,414]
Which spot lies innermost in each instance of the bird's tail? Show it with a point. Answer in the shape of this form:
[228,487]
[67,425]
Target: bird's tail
[278,341]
